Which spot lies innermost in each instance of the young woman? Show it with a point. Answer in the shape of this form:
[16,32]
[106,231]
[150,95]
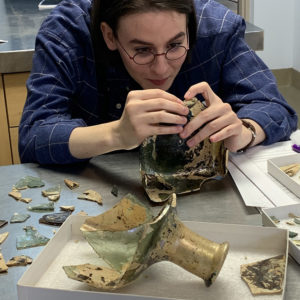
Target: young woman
[109,73]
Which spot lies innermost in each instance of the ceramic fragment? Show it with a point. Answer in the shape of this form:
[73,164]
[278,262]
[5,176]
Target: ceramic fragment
[274,219]
[291,169]
[130,239]
[168,165]
[82,213]
[15,194]
[266,276]
[297,221]
[26,200]
[53,193]
[42,207]
[115,190]
[3,223]
[296,242]
[3,237]
[292,234]
[53,197]
[21,260]
[55,219]
[71,184]
[91,196]
[291,215]
[54,190]
[29,182]
[290,223]
[31,238]
[67,207]
[19,218]
[3,266]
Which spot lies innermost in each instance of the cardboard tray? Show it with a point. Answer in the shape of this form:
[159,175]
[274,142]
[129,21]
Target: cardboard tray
[281,213]
[292,183]
[45,278]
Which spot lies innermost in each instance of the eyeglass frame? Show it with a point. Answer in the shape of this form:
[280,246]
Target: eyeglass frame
[154,54]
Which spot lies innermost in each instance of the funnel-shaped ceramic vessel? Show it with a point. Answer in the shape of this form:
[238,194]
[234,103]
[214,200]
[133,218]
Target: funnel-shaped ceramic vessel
[129,239]
[169,166]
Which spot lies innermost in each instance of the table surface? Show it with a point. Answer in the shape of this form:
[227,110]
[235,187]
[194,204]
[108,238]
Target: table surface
[217,201]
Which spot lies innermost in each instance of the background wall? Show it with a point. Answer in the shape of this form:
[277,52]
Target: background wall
[297,36]
[279,19]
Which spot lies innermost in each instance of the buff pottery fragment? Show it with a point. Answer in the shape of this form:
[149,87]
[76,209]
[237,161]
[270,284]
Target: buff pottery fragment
[264,277]
[3,266]
[21,260]
[52,193]
[130,239]
[91,195]
[168,165]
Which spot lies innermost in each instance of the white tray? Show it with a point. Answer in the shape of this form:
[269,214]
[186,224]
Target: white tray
[46,280]
[281,213]
[292,183]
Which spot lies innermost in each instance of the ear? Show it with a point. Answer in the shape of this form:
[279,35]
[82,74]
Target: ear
[108,36]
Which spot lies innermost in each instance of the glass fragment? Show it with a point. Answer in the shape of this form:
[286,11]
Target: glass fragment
[31,238]
[168,165]
[55,219]
[42,207]
[130,239]
[3,223]
[29,182]
[19,218]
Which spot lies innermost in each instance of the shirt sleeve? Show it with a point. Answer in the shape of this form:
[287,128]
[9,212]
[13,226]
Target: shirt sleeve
[46,123]
[250,88]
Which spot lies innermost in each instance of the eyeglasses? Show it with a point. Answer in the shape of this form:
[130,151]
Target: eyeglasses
[147,57]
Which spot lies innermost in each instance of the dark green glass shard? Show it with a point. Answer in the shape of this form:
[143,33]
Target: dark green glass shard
[31,238]
[19,218]
[29,182]
[54,219]
[292,234]
[115,190]
[42,207]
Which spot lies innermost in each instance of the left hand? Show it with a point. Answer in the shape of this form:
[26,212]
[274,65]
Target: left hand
[220,121]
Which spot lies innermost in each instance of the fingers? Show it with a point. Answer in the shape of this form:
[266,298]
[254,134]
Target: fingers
[153,94]
[218,122]
[160,104]
[205,90]
[217,130]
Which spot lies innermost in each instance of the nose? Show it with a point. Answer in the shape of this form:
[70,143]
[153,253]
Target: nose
[160,65]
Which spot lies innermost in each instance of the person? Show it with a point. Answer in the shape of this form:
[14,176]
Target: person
[109,73]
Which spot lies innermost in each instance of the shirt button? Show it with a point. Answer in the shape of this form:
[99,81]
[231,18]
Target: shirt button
[127,88]
[118,105]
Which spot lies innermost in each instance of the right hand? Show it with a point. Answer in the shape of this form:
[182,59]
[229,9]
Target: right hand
[146,112]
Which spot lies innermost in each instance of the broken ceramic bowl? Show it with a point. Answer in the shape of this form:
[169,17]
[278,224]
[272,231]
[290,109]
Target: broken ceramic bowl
[129,239]
[168,165]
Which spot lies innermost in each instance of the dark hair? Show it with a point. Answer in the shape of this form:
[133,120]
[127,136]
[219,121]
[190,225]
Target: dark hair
[110,11]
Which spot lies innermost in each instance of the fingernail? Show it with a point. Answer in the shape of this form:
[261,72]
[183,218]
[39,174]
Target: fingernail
[191,143]
[183,134]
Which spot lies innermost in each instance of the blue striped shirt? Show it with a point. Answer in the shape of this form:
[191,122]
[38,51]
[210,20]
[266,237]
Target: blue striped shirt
[63,91]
